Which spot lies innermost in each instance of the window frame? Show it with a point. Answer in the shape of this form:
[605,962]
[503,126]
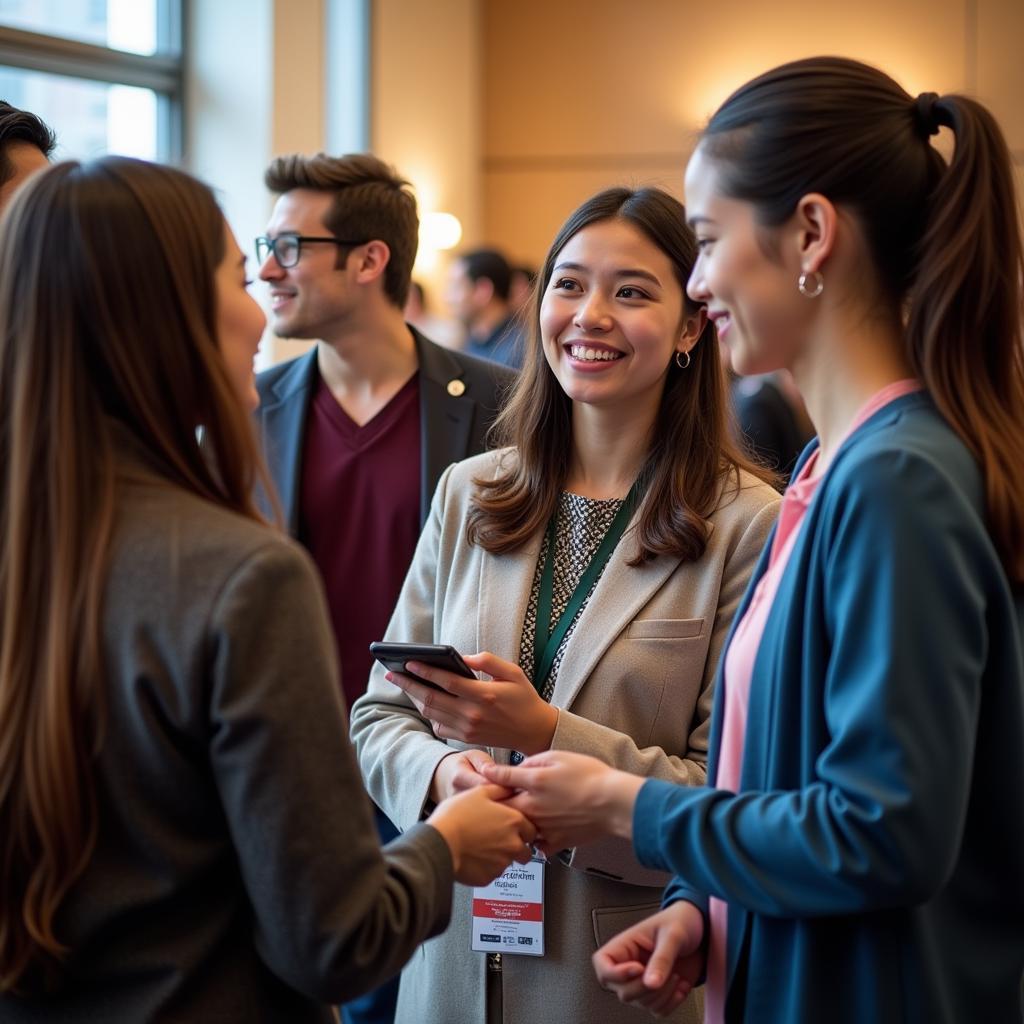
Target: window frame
[163,72]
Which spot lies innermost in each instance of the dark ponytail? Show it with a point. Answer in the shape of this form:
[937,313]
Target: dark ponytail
[964,330]
[945,241]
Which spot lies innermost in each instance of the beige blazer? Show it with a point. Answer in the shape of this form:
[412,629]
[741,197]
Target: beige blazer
[635,689]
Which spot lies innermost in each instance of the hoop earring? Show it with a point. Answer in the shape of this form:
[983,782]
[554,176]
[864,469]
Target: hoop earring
[808,276]
[680,363]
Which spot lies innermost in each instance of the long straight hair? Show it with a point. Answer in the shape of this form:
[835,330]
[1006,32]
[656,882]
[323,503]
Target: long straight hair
[944,240]
[692,452]
[107,330]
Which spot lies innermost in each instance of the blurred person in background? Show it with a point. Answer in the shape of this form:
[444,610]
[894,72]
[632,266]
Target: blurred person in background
[478,297]
[769,417]
[520,286]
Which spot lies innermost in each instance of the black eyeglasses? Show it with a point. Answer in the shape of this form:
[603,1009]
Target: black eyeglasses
[287,247]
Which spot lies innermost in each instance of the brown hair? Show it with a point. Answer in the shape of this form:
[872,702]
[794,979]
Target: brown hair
[945,241]
[107,327]
[21,126]
[490,265]
[371,202]
[691,452]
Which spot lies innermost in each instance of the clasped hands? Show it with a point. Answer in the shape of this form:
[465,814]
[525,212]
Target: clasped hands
[571,799]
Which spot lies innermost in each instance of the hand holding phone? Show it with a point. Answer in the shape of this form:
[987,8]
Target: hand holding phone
[502,711]
[395,656]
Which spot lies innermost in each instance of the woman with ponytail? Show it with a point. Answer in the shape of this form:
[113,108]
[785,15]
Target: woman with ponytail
[858,852]
[183,831]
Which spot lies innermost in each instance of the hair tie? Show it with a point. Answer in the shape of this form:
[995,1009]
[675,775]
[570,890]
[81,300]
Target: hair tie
[926,116]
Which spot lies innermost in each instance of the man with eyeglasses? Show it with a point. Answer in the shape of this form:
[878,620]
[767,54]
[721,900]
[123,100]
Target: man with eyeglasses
[358,431]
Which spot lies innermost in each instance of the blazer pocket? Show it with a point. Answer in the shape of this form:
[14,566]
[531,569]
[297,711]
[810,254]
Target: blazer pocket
[664,629]
[609,921]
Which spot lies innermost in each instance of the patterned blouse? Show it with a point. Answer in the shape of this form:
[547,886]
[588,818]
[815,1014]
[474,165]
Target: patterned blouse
[580,526]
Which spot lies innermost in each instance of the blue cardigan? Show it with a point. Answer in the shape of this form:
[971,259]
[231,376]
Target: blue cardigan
[873,858]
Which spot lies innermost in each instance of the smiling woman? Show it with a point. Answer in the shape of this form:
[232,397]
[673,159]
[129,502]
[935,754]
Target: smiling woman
[610,319]
[614,281]
[595,564]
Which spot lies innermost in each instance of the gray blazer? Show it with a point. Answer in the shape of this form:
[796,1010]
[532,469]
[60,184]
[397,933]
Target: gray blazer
[237,874]
[635,689]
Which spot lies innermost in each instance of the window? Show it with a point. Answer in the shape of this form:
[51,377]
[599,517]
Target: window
[105,75]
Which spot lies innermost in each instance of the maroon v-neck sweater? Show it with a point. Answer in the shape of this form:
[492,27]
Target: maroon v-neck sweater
[360,503]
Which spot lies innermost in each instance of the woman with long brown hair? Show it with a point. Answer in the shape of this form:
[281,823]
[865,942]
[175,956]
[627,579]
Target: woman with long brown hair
[859,852]
[183,832]
[596,561]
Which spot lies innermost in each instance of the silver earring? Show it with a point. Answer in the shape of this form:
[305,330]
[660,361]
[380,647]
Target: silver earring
[680,363]
[809,277]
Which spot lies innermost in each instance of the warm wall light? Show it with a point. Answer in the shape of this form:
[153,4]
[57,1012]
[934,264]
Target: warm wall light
[439,231]
[703,90]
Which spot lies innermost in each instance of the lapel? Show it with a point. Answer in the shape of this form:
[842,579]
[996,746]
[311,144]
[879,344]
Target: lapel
[282,415]
[505,582]
[446,415]
[619,595]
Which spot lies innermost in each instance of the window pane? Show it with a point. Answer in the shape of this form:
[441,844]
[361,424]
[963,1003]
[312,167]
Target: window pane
[138,26]
[90,118]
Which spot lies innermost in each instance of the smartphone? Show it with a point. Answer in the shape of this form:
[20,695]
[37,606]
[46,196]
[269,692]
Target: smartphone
[394,657]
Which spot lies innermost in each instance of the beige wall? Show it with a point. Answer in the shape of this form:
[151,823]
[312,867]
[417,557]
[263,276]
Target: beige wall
[587,93]
[426,109]
[998,72]
[299,78]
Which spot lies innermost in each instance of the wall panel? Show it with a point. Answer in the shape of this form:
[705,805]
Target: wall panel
[999,67]
[588,92]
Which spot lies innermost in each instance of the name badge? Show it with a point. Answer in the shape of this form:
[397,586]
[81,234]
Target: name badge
[508,914]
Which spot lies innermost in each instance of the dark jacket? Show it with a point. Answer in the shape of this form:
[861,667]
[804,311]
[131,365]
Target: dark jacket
[237,874]
[459,398]
[873,860]
[767,422]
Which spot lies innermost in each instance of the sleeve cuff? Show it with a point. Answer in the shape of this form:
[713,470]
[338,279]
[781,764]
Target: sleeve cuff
[648,813]
[430,843]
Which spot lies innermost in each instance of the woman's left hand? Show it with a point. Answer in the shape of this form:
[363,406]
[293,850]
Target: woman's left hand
[504,711]
[656,963]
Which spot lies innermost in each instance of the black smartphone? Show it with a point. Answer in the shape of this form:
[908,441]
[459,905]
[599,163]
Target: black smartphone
[394,657]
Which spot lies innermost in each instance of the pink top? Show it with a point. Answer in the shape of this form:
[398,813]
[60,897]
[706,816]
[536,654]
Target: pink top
[739,669]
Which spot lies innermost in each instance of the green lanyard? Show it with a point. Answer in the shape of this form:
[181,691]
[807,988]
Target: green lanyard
[546,641]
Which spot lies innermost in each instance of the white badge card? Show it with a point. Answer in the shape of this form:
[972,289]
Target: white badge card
[508,914]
